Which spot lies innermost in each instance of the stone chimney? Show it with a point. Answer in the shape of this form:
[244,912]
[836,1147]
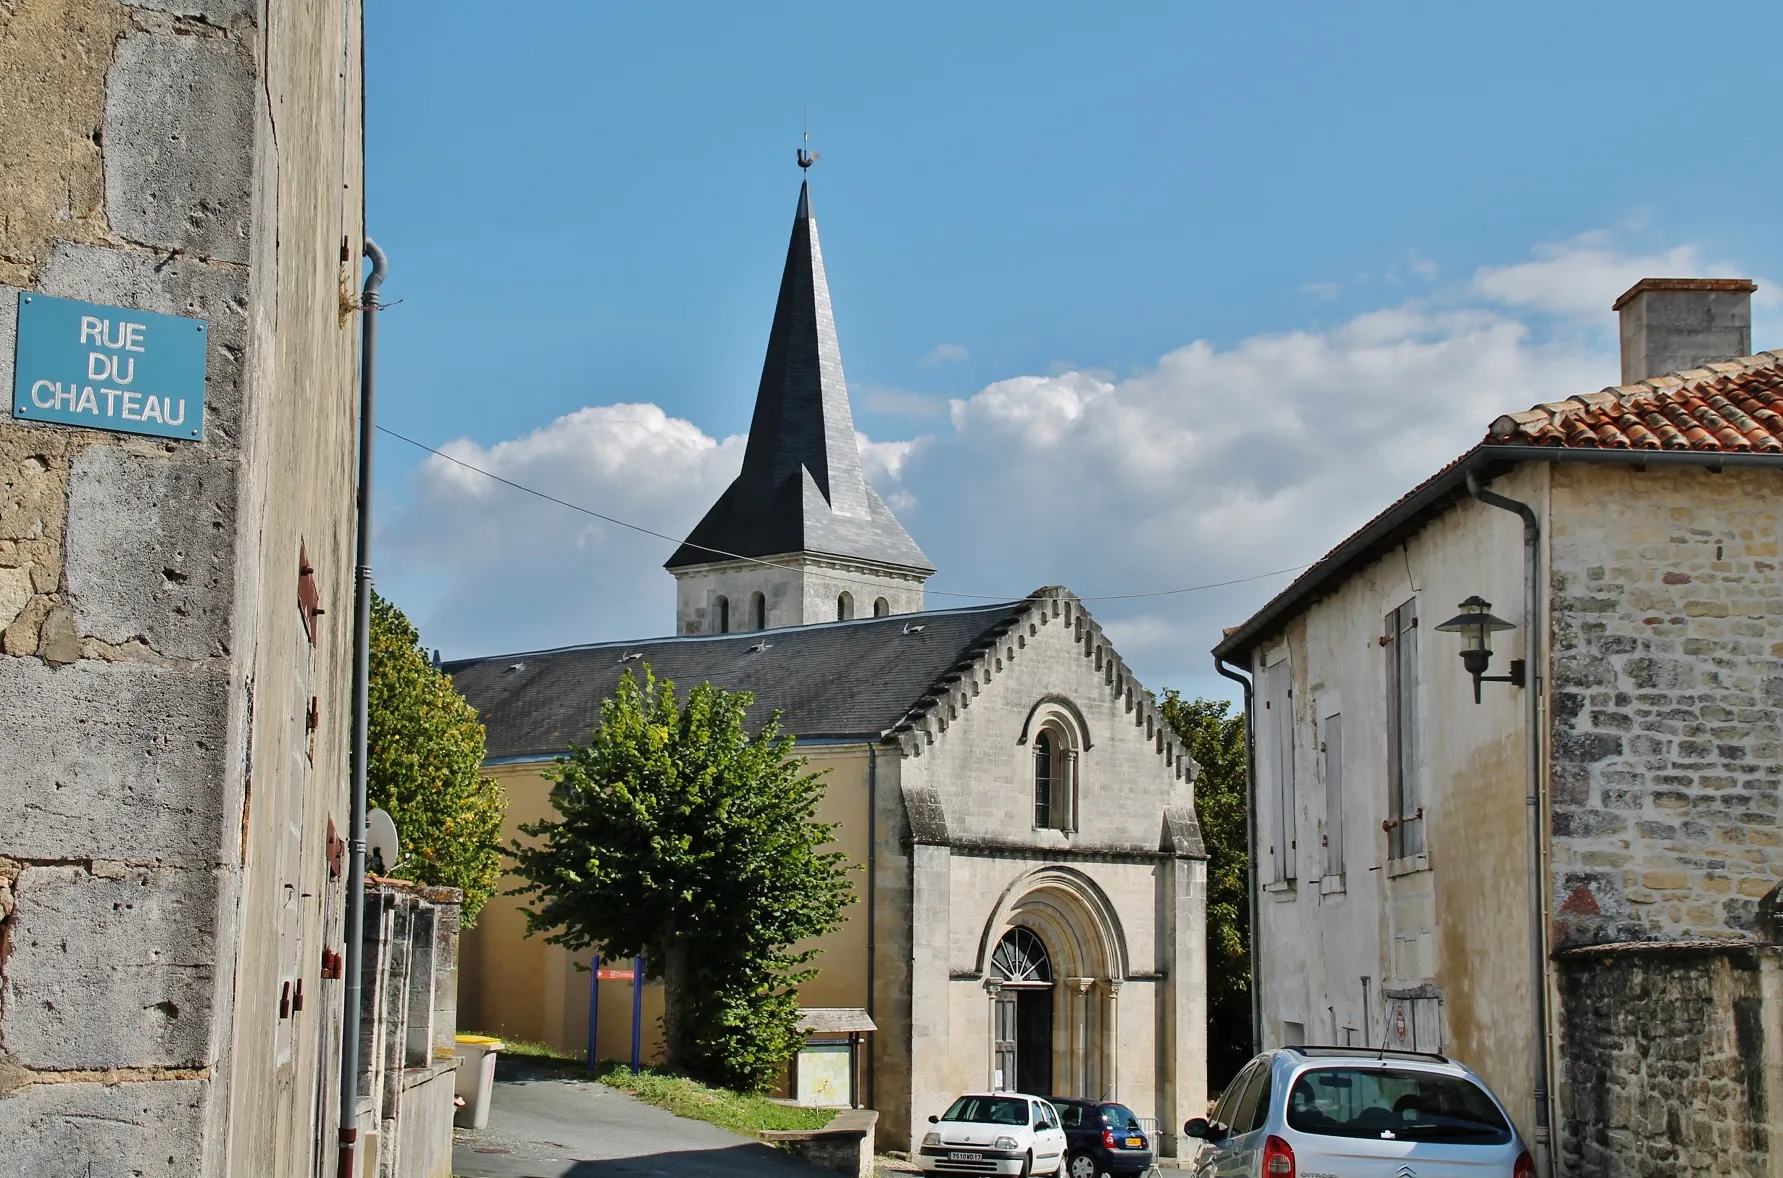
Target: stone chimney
[1672,324]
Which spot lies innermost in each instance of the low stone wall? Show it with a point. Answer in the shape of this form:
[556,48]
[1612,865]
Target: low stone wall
[844,1146]
[1670,1056]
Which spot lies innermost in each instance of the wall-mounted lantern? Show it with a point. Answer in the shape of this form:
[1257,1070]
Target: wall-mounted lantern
[1476,625]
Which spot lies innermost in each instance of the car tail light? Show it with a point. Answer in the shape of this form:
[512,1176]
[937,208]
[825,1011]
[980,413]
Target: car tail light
[1525,1166]
[1278,1158]
[1108,1139]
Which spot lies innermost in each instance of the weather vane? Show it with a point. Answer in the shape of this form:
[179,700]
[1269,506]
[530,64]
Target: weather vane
[807,157]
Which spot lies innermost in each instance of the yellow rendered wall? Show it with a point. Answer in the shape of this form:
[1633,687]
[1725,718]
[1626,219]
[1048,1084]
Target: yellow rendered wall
[517,986]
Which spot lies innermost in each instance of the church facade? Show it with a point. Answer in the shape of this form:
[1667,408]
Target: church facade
[1032,880]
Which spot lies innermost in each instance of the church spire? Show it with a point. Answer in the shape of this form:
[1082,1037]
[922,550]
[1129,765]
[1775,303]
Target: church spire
[801,489]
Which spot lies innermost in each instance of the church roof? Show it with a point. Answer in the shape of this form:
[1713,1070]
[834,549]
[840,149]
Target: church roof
[841,679]
[801,488]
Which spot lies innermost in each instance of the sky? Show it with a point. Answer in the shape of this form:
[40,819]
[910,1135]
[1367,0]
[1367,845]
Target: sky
[1131,298]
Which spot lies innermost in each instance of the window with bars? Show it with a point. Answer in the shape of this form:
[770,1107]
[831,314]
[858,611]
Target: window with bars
[1405,811]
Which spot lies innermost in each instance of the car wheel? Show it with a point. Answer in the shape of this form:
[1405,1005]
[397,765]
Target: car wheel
[1079,1165]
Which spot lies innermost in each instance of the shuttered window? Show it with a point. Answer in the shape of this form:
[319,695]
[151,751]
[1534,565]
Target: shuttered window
[1278,706]
[1405,814]
[1333,753]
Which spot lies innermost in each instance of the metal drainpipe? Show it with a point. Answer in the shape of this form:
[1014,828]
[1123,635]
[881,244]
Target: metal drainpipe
[1250,846]
[1532,747]
[872,906]
[355,930]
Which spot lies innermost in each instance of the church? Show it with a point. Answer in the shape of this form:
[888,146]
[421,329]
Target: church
[1032,879]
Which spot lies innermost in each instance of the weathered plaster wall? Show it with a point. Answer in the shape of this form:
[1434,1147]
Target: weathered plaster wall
[1452,923]
[166,845]
[1668,708]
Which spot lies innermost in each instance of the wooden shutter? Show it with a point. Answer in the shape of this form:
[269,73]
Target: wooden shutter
[1333,746]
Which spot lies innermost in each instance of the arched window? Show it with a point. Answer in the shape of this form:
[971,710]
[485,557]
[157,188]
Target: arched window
[723,609]
[1055,778]
[1021,959]
[881,607]
[1043,779]
[758,611]
[845,607]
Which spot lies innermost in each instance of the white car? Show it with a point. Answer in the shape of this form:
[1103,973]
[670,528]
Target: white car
[1321,1112]
[994,1133]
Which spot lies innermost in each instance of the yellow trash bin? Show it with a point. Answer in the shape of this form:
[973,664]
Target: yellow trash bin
[476,1079]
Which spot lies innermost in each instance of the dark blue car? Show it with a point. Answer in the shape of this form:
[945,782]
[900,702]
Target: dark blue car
[1101,1137]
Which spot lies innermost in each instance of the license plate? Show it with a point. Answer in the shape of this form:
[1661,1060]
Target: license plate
[957,1156]
[1135,1142]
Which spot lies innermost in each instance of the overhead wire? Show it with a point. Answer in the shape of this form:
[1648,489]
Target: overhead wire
[617,522]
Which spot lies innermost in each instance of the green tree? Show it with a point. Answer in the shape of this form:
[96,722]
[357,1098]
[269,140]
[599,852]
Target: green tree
[424,762]
[684,838]
[1216,741]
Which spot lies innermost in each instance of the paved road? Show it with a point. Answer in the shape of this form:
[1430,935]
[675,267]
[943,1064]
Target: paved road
[542,1125]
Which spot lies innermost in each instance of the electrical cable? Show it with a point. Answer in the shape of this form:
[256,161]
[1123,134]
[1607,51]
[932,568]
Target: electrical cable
[549,498]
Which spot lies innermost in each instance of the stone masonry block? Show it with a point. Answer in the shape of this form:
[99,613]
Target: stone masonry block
[105,1130]
[114,970]
[179,138]
[112,761]
[149,550]
[172,286]
[217,12]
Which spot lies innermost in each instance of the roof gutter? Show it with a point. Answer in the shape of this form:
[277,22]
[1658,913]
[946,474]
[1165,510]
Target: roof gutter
[1451,484]
[1250,849]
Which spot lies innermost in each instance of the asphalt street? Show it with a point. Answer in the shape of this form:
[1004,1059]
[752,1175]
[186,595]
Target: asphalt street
[542,1125]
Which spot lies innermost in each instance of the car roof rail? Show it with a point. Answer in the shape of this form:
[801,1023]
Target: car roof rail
[1329,1051]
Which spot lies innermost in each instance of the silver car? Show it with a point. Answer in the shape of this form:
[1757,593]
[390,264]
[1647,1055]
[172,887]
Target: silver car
[1347,1112]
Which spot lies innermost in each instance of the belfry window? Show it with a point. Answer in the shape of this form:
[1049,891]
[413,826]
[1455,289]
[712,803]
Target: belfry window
[845,607]
[881,607]
[722,607]
[758,611]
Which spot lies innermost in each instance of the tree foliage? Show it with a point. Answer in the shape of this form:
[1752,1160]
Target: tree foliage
[1216,741]
[682,837]
[423,765]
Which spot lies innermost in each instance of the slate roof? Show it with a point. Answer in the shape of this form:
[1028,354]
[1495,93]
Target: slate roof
[801,487]
[839,679]
[1736,406]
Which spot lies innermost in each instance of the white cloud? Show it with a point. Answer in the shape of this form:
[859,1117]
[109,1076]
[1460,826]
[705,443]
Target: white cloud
[1213,464]
[946,354]
[1583,275]
[898,402]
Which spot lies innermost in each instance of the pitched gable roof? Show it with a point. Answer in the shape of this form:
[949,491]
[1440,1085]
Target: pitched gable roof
[1729,413]
[902,677]
[801,488]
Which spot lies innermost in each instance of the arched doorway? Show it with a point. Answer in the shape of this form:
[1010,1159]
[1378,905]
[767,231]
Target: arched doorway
[1023,1012]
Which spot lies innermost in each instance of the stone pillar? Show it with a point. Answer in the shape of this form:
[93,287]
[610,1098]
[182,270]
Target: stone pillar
[930,920]
[1082,1015]
[1111,1039]
[993,989]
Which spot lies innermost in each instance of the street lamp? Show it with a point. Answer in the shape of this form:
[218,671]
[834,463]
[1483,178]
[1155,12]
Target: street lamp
[1476,625]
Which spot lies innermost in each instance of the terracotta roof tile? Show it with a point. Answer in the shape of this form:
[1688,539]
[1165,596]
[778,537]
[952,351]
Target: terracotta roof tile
[1733,406]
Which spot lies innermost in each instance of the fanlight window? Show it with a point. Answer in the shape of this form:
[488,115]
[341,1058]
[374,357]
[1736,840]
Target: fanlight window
[1020,959]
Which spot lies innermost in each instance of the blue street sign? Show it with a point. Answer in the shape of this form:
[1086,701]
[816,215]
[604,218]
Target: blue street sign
[111,368]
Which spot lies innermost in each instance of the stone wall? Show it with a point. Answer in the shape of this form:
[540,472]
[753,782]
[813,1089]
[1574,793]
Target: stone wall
[165,884]
[1668,1059]
[1667,703]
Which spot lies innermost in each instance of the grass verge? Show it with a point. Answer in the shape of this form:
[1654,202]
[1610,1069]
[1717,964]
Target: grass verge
[740,1113]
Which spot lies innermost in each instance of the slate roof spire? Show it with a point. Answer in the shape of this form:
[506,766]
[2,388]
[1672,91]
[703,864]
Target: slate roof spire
[801,488]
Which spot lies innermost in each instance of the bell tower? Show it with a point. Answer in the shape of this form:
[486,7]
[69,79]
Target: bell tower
[799,537]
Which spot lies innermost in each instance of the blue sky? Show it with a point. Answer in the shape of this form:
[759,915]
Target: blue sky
[1130,297]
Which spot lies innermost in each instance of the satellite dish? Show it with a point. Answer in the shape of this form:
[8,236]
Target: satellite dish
[380,843]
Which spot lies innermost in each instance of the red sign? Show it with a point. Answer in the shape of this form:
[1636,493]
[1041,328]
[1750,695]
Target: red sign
[615,975]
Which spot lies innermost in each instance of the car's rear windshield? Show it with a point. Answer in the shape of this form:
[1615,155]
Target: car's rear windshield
[1395,1104]
[989,1110]
[1118,1116]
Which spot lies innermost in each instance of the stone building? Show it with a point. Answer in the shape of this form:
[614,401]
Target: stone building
[1032,879]
[1396,901]
[174,609]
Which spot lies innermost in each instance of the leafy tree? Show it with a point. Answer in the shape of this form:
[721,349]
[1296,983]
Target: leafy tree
[423,765]
[1216,741]
[684,838]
